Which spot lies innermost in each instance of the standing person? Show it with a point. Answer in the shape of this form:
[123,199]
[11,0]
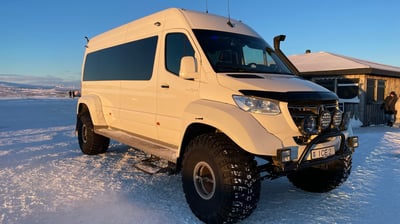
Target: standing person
[389,107]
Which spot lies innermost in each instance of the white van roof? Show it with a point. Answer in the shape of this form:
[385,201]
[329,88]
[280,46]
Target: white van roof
[172,18]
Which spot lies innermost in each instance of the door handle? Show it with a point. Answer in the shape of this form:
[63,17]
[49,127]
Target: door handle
[165,86]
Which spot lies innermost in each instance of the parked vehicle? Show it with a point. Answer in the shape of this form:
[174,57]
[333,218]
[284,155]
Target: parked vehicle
[209,95]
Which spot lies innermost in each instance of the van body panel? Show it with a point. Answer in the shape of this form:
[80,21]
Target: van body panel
[238,125]
[106,94]
[214,22]
[147,26]
[94,105]
[138,106]
[171,103]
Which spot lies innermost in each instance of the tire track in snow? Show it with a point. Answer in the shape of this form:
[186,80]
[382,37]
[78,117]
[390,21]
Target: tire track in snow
[44,171]
[25,176]
[374,163]
[28,136]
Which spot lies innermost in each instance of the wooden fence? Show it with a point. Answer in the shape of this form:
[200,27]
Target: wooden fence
[373,114]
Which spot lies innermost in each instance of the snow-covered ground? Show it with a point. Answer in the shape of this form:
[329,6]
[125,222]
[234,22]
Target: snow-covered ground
[44,178]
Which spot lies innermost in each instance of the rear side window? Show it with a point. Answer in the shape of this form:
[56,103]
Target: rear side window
[177,46]
[130,61]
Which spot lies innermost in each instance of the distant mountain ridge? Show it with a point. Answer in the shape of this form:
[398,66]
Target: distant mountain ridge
[14,79]
[22,90]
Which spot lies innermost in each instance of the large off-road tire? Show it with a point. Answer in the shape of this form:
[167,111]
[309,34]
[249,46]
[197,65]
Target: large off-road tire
[219,179]
[322,178]
[90,142]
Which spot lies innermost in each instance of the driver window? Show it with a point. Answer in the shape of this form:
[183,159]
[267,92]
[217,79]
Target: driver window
[177,46]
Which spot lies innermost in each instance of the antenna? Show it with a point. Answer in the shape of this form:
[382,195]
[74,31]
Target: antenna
[229,17]
[206,6]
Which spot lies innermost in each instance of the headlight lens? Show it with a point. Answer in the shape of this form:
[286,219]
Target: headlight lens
[257,105]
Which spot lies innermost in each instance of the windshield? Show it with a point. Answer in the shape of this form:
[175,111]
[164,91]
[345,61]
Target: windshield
[230,52]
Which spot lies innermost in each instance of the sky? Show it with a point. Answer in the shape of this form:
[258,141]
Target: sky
[44,39]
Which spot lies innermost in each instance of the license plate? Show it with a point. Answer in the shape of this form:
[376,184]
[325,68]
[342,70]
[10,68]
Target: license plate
[322,153]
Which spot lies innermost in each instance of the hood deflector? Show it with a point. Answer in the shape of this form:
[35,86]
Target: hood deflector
[291,97]
[245,76]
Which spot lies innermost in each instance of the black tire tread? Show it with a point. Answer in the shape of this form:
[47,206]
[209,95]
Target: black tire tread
[241,182]
[95,144]
[322,179]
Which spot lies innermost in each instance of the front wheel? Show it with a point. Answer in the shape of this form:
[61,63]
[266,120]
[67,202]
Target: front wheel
[90,142]
[220,180]
[322,178]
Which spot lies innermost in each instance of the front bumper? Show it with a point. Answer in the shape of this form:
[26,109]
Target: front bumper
[346,146]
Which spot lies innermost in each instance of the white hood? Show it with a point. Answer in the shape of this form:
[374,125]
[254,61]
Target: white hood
[268,82]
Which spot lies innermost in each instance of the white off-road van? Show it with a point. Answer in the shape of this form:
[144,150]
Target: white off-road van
[209,95]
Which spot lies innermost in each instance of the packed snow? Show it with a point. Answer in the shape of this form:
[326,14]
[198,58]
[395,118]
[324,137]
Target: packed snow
[44,178]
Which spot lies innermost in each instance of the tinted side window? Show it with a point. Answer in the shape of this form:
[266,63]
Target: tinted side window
[130,61]
[177,46]
[347,88]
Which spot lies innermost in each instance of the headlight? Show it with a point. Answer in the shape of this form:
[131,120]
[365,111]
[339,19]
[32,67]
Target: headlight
[257,105]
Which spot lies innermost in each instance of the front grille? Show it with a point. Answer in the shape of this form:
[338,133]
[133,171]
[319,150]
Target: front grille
[299,111]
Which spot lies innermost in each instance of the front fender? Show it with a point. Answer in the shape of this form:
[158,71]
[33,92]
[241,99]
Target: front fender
[237,124]
[94,105]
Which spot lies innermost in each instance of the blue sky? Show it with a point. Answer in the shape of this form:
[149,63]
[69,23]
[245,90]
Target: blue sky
[45,38]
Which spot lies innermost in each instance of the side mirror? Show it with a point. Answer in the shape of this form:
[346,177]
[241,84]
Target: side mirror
[188,68]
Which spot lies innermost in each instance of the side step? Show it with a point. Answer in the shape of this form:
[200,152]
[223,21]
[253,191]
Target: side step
[153,165]
[147,146]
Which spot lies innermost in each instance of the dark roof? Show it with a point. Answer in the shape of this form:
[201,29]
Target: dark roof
[325,63]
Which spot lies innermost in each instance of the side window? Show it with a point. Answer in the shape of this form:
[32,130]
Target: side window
[177,45]
[130,61]
[327,83]
[375,90]
[347,88]
[380,92]
[371,90]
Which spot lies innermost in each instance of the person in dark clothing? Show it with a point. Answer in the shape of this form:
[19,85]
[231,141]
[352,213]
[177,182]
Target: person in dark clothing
[389,107]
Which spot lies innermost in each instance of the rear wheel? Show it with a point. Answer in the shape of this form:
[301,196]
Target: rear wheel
[322,178]
[90,142]
[220,180]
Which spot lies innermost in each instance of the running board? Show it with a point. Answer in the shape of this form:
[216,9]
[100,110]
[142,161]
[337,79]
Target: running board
[154,165]
[136,142]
